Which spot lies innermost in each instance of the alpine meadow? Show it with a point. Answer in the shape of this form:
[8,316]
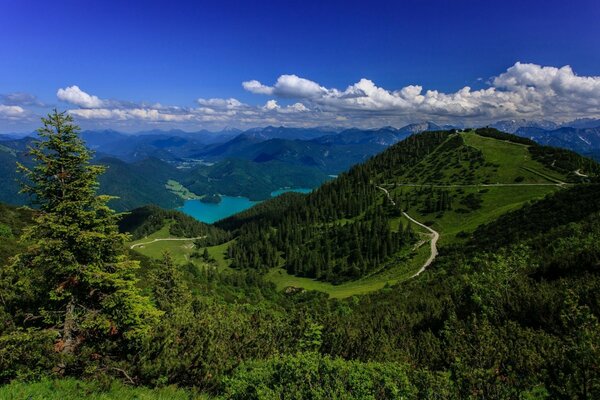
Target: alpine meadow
[197,202]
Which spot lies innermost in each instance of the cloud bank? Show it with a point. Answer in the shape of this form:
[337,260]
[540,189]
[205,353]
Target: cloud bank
[523,91]
[528,91]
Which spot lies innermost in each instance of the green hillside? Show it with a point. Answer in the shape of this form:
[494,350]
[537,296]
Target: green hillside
[255,180]
[348,237]
[508,308]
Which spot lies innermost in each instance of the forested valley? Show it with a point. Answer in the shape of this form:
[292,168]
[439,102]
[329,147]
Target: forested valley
[508,309]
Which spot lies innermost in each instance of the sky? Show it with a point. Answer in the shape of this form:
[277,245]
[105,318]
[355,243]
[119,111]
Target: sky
[136,65]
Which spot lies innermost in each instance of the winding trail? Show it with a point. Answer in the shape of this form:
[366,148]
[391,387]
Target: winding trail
[434,235]
[434,238]
[163,239]
[475,185]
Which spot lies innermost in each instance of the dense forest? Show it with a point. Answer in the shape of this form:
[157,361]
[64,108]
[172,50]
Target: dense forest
[341,230]
[511,313]
[143,221]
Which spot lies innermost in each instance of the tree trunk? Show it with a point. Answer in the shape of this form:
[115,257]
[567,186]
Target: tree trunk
[69,328]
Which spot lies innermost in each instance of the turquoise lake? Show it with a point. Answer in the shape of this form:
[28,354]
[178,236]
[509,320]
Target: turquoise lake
[228,206]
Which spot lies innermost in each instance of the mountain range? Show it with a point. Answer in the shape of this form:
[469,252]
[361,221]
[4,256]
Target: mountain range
[454,264]
[255,162]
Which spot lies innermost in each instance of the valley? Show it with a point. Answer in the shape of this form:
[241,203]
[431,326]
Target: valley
[310,200]
[444,239]
[465,180]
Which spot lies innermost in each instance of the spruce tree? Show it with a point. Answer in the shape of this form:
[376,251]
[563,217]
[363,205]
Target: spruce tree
[87,286]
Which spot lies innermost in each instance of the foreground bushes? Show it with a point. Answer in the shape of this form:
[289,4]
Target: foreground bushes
[314,376]
[76,389]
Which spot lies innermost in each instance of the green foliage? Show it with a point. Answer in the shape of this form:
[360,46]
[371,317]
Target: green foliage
[12,222]
[511,314]
[565,161]
[558,209]
[170,291]
[255,180]
[340,231]
[79,282]
[312,376]
[27,354]
[146,220]
[61,389]
[580,370]
[496,134]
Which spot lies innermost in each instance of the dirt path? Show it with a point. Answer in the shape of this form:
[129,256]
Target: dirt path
[159,240]
[474,185]
[434,238]
[434,235]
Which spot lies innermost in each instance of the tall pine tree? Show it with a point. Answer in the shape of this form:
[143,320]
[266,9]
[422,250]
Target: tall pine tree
[88,288]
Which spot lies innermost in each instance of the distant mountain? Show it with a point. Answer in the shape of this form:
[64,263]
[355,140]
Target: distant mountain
[332,153]
[144,181]
[139,183]
[329,154]
[583,123]
[384,137]
[281,132]
[13,136]
[583,141]
[171,145]
[255,180]
[411,129]
[511,126]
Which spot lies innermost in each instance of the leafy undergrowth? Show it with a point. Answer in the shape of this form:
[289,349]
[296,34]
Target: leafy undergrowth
[62,389]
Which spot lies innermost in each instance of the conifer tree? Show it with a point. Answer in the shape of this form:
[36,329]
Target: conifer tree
[87,287]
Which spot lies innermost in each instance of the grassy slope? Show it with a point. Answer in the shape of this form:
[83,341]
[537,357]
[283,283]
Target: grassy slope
[180,190]
[514,159]
[75,389]
[180,250]
[399,272]
[505,161]
[511,160]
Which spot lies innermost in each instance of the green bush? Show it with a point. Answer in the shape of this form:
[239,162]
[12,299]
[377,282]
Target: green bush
[314,376]
[27,354]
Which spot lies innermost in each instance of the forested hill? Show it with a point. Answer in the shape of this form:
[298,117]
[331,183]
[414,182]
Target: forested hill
[146,220]
[453,181]
[507,310]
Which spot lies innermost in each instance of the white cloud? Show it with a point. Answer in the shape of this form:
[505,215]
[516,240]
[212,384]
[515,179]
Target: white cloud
[256,87]
[271,105]
[144,114]
[524,90]
[78,97]
[287,86]
[11,112]
[229,104]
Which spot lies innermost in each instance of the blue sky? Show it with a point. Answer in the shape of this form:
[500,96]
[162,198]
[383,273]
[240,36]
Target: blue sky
[149,62]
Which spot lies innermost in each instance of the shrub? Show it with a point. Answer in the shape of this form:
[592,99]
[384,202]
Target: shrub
[27,354]
[314,376]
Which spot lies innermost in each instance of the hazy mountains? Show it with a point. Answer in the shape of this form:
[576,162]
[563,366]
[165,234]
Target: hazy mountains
[580,135]
[254,162]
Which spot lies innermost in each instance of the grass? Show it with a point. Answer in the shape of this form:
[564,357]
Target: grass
[408,262]
[514,160]
[505,163]
[391,276]
[180,190]
[68,388]
[180,250]
[496,201]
